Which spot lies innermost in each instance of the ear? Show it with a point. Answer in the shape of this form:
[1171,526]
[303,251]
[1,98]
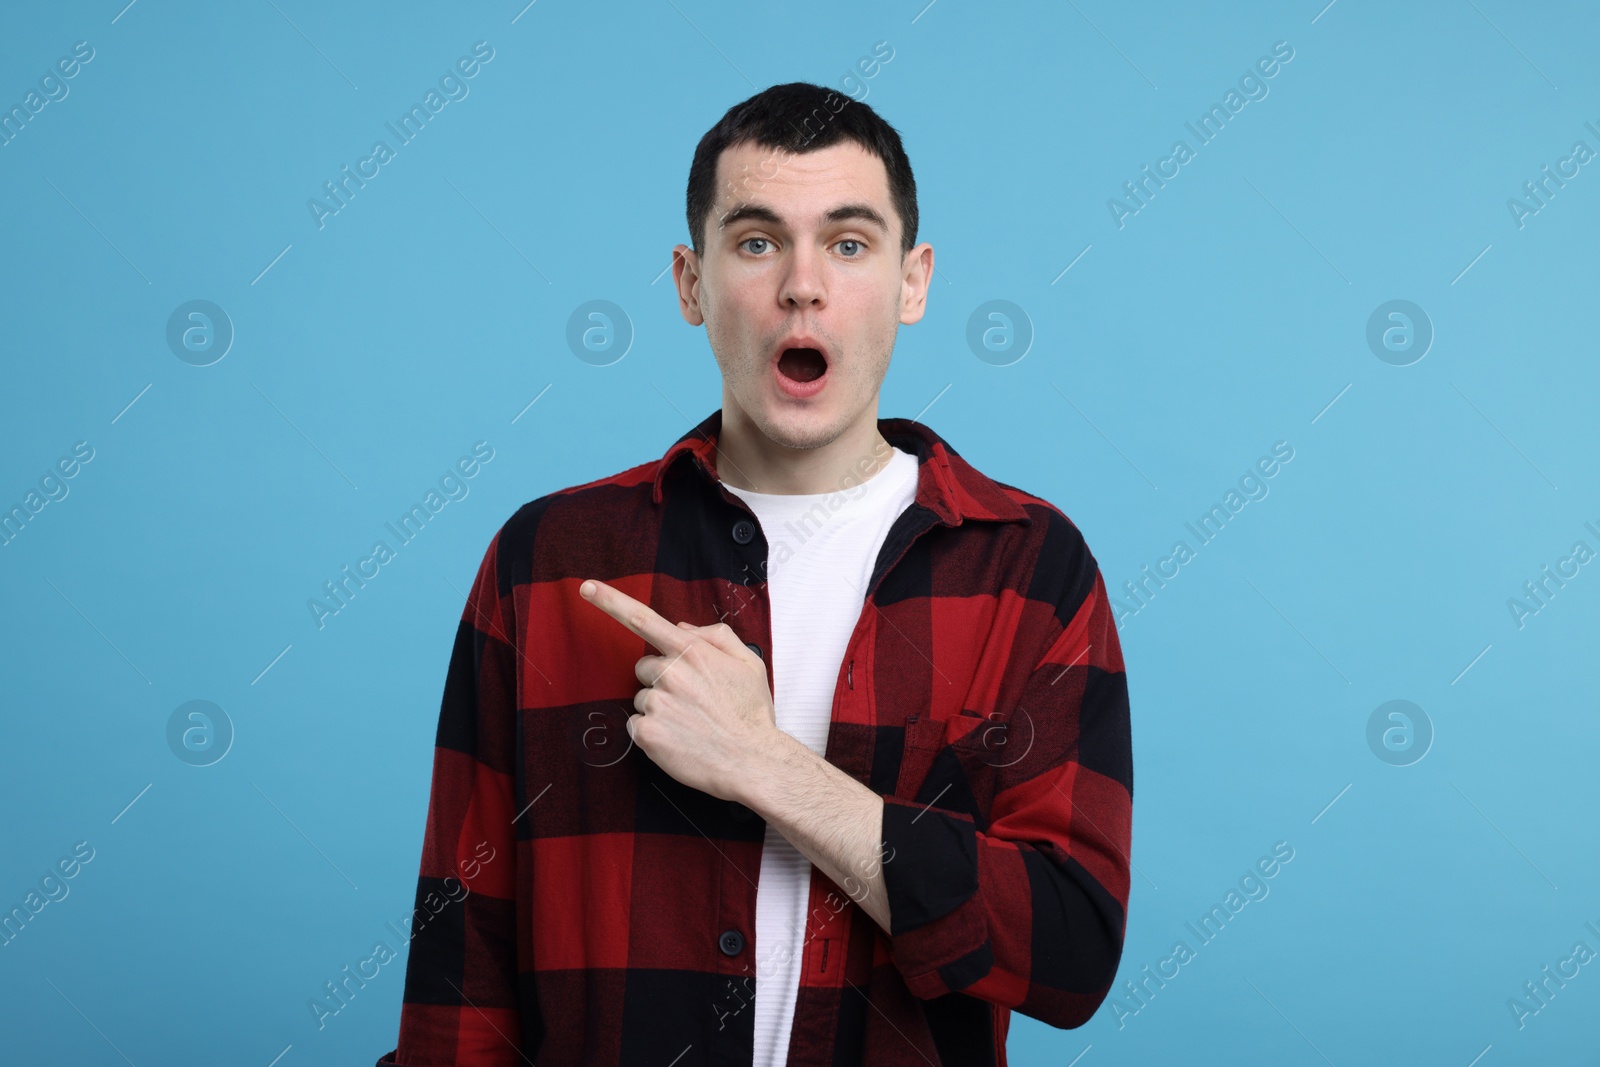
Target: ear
[914,281]
[686,276]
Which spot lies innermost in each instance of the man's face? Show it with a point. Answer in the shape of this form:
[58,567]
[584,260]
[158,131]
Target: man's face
[802,250]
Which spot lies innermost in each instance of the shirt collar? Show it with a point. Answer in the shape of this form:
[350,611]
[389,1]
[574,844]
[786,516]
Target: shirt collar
[947,485]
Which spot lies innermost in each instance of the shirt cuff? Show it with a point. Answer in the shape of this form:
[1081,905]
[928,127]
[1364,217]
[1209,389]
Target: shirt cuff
[939,935]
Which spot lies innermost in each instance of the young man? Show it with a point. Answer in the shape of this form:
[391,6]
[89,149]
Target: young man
[804,744]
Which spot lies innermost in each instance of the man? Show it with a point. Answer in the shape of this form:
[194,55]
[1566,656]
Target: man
[804,744]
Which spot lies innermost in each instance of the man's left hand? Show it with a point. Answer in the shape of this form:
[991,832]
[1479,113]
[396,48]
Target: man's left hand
[705,712]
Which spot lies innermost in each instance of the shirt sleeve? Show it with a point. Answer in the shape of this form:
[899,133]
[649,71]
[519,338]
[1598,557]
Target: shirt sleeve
[1030,911]
[464,1003]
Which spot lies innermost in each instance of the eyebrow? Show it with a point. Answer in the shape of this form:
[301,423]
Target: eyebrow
[842,213]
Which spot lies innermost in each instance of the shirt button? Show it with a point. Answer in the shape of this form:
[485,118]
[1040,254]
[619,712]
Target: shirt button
[731,942]
[739,811]
[744,531]
[753,647]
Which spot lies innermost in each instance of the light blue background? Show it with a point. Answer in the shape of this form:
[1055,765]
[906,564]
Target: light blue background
[1228,314]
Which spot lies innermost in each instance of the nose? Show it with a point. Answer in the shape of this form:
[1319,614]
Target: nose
[802,282]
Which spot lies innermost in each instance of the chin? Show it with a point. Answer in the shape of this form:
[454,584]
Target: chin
[804,430]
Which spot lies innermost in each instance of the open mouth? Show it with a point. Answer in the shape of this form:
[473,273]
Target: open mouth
[802,364]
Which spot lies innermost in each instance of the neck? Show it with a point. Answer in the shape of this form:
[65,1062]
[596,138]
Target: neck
[748,459]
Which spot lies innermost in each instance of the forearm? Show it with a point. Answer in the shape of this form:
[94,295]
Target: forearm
[830,818]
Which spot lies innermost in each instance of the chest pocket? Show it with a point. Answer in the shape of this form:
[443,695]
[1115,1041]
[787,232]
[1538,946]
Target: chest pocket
[951,763]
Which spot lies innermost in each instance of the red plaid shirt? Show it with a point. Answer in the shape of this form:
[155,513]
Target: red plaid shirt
[577,905]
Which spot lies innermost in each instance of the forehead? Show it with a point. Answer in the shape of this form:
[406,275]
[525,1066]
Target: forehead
[804,183]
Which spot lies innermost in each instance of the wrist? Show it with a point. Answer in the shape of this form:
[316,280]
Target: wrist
[776,760]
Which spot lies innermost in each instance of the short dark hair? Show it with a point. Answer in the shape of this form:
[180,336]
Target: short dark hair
[801,117]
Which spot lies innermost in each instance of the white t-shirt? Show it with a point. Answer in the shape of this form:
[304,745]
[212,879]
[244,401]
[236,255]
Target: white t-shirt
[821,549]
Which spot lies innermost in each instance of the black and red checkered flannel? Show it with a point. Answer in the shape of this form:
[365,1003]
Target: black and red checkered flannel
[982,695]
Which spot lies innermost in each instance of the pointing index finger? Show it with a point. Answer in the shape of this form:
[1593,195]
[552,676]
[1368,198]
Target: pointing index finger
[642,619]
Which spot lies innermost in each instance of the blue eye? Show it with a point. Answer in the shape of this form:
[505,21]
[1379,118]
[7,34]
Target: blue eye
[852,241]
[747,240]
